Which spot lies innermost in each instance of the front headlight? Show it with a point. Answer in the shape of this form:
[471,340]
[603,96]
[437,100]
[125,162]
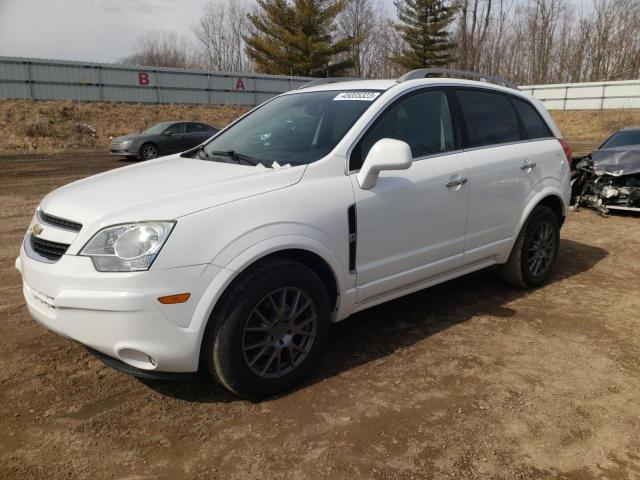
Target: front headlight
[130,247]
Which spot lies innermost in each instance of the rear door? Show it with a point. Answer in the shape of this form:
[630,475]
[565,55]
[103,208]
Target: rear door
[498,154]
[196,134]
[550,160]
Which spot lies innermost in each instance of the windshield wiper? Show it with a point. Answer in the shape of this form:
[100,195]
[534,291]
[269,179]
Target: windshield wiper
[237,156]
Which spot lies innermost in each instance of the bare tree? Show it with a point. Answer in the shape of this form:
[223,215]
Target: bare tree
[549,41]
[615,38]
[163,49]
[357,21]
[220,35]
[473,27]
[527,41]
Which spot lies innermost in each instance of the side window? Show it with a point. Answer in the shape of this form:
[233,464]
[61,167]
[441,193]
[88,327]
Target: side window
[195,128]
[176,129]
[533,122]
[420,119]
[489,117]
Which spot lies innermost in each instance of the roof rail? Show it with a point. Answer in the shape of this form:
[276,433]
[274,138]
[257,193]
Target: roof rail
[445,72]
[324,81]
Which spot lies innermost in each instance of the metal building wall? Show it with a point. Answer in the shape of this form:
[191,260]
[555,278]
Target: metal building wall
[38,79]
[588,96]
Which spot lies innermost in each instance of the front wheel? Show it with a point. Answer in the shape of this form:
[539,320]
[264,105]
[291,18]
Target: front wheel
[535,251]
[148,151]
[269,329]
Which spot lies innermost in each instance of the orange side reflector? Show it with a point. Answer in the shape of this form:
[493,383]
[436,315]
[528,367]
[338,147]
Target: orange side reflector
[178,298]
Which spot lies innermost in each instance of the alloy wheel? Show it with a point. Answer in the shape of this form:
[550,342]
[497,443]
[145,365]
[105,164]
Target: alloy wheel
[279,332]
[541,249]
[149,152]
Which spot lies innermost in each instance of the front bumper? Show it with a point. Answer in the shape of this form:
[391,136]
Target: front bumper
[126,150]
[118,314]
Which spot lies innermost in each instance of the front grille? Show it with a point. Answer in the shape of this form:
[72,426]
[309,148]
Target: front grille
[59,222]
[48,249]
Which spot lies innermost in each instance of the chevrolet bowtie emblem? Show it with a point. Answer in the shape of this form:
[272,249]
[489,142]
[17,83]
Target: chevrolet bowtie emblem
[37,229]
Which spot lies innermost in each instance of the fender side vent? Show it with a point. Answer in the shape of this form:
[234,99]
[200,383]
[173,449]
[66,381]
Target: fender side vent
[353,238]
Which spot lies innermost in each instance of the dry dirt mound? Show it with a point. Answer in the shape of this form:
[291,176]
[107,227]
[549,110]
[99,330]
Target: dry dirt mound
[47,127]
[594,125]
[54,126]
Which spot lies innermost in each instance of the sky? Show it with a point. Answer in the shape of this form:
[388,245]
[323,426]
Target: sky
[90,30]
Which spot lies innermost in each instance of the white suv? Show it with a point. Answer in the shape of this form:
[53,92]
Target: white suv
[324,201]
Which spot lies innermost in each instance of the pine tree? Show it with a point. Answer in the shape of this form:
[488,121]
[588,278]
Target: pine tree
[296,37]
[423,26]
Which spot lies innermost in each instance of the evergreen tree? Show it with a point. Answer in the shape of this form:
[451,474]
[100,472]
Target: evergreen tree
[296,37]
[423,26]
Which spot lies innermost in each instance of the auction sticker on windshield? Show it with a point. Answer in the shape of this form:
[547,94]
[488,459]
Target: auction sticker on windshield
[363,96]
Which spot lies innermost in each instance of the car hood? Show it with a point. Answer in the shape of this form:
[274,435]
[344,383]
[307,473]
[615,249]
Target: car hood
[617,161]
[124,138]
[163,189]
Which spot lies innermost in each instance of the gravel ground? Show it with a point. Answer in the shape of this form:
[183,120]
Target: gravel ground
[469,379]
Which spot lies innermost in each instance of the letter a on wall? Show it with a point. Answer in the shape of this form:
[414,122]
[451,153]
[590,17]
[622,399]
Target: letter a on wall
[240,84]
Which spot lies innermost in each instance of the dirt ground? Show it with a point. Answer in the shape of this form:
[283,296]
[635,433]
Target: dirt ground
[470,379]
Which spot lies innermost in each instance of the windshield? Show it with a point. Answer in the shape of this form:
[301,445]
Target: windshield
[158,128]
[623,139]
[299,128]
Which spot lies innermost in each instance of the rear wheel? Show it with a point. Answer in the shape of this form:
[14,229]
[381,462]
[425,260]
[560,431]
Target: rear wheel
[148,151]
[269,329]
[535,251]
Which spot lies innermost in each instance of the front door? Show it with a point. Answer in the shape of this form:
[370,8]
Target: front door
[411,224]
[174,139]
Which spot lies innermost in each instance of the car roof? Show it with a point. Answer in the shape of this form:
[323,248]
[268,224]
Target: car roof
[388,84]
[385,85]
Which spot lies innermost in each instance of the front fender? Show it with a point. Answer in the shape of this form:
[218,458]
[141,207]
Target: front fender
[245,258]
[288,242]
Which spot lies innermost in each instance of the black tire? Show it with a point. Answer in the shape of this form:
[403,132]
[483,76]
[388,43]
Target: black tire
[226,349]
[148,151]
[534,255]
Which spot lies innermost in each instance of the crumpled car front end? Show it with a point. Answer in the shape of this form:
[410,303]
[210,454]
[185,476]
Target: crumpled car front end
[608,179]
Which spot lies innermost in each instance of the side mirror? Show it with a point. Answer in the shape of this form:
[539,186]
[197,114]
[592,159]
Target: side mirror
[386,154]
[167,133]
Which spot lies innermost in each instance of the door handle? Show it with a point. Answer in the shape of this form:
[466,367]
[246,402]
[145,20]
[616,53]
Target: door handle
[528,164]
[456,181]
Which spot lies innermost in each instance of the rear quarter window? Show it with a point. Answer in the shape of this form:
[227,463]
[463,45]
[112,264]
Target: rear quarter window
[534,125]
[489,117]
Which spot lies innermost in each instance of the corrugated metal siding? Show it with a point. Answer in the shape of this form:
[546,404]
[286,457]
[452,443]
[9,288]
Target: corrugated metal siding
[588,96]
[39,79]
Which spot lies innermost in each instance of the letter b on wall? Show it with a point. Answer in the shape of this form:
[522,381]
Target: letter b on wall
[143,78]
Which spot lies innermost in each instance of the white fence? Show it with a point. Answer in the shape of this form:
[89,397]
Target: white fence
[37,79]
[588,96]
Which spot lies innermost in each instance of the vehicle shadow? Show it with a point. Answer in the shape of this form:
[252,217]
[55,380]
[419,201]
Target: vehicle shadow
[379,331]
